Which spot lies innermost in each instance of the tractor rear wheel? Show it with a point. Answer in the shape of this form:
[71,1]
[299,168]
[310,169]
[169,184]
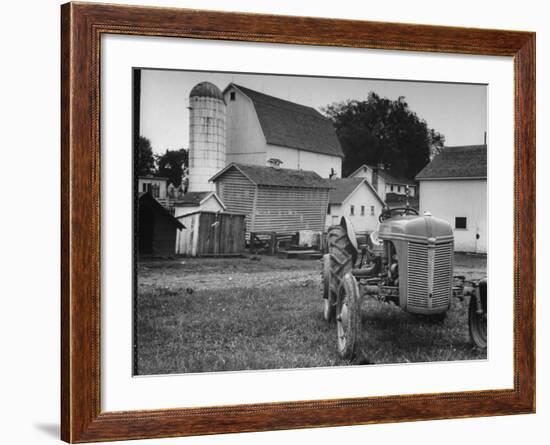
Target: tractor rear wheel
[348,316]
[329,292]
[477,322]
[341,251]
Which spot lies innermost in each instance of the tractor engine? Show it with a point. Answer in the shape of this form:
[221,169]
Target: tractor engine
[418,259]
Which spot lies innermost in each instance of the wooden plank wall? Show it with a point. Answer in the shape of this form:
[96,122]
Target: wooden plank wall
[210,233]
[220,234]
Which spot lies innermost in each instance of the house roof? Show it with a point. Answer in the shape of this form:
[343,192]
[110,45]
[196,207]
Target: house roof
[392,178]
[457,163]
[147,197]
[342,188]
[193,199]
[362,167]
[278,177]
[389,177]
[293,125]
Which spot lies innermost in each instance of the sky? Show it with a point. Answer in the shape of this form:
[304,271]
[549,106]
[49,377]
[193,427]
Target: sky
[458,111]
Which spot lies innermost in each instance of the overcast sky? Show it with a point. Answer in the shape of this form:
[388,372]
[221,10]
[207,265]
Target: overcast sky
[458,111]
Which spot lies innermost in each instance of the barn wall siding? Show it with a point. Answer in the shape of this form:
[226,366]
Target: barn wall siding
[286,210]
[237,193]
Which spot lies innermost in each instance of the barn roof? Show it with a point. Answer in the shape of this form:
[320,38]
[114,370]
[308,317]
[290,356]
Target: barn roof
[344,187]
[157,206]
[192,199]
[293,125]
[277,177]
[457,163]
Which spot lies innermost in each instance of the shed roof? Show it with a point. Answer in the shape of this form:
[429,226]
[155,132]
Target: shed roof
[457,163]
[344,187]
[192,199]
[277,177]
[157,206]
[293,125]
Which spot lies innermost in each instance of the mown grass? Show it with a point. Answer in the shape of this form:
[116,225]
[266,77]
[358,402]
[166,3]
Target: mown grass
[185,327]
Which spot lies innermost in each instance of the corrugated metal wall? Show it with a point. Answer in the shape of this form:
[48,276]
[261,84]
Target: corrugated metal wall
[285,210]
[237,193]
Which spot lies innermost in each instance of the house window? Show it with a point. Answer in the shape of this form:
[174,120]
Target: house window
[460,222]
[155,190]
[398,189]
[362,210]
[328,209]
[391,188]
[371,210]
[232,95]
[352,210]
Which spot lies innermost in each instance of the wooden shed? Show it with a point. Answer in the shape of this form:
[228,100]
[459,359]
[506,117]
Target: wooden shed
[274,199]
[211,234]
[156,228]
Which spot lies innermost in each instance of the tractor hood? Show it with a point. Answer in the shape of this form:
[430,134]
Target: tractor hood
[422,229]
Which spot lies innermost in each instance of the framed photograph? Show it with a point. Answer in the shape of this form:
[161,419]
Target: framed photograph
[275,222]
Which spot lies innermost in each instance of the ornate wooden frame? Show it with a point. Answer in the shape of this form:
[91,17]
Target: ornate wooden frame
[81,28]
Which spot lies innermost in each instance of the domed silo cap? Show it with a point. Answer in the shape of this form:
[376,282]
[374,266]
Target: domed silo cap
[206,89]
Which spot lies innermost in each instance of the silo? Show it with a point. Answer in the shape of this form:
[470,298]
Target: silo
[206,135]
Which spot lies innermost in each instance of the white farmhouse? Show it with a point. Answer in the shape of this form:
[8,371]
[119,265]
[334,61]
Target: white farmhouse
[453,186]
[260,127]
[356,199]
[155,185]
[384,181]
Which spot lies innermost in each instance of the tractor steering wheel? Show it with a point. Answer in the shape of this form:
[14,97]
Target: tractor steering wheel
[390,213]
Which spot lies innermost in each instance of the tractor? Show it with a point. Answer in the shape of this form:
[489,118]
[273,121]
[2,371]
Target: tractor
[408,261]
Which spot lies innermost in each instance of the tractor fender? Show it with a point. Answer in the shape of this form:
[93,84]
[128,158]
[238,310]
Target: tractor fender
[345,222]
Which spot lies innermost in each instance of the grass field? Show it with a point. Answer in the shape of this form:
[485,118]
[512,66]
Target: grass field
[203,315]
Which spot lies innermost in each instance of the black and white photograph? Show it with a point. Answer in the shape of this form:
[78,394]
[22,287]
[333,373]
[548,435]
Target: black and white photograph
[288,222]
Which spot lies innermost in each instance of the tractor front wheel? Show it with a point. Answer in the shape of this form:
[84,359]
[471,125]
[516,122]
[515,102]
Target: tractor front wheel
[477,319]
[348,316]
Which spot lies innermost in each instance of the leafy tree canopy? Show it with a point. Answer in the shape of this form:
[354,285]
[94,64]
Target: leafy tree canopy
[380,130]
[172,164]
[145,157]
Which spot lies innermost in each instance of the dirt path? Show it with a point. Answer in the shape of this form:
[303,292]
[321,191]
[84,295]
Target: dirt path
[212,281]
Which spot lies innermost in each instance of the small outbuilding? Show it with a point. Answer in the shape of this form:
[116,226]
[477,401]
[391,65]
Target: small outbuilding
[356,199]
[274,199]
[195,201]
[453,186]
[157,228]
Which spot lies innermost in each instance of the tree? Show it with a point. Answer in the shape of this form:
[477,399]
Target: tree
[380,130]
[145,157]
[172,165]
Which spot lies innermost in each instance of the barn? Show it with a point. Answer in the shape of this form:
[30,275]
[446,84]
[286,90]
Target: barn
[356,199]
[260,127]
[274,199]
[157,228]
[453,186]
